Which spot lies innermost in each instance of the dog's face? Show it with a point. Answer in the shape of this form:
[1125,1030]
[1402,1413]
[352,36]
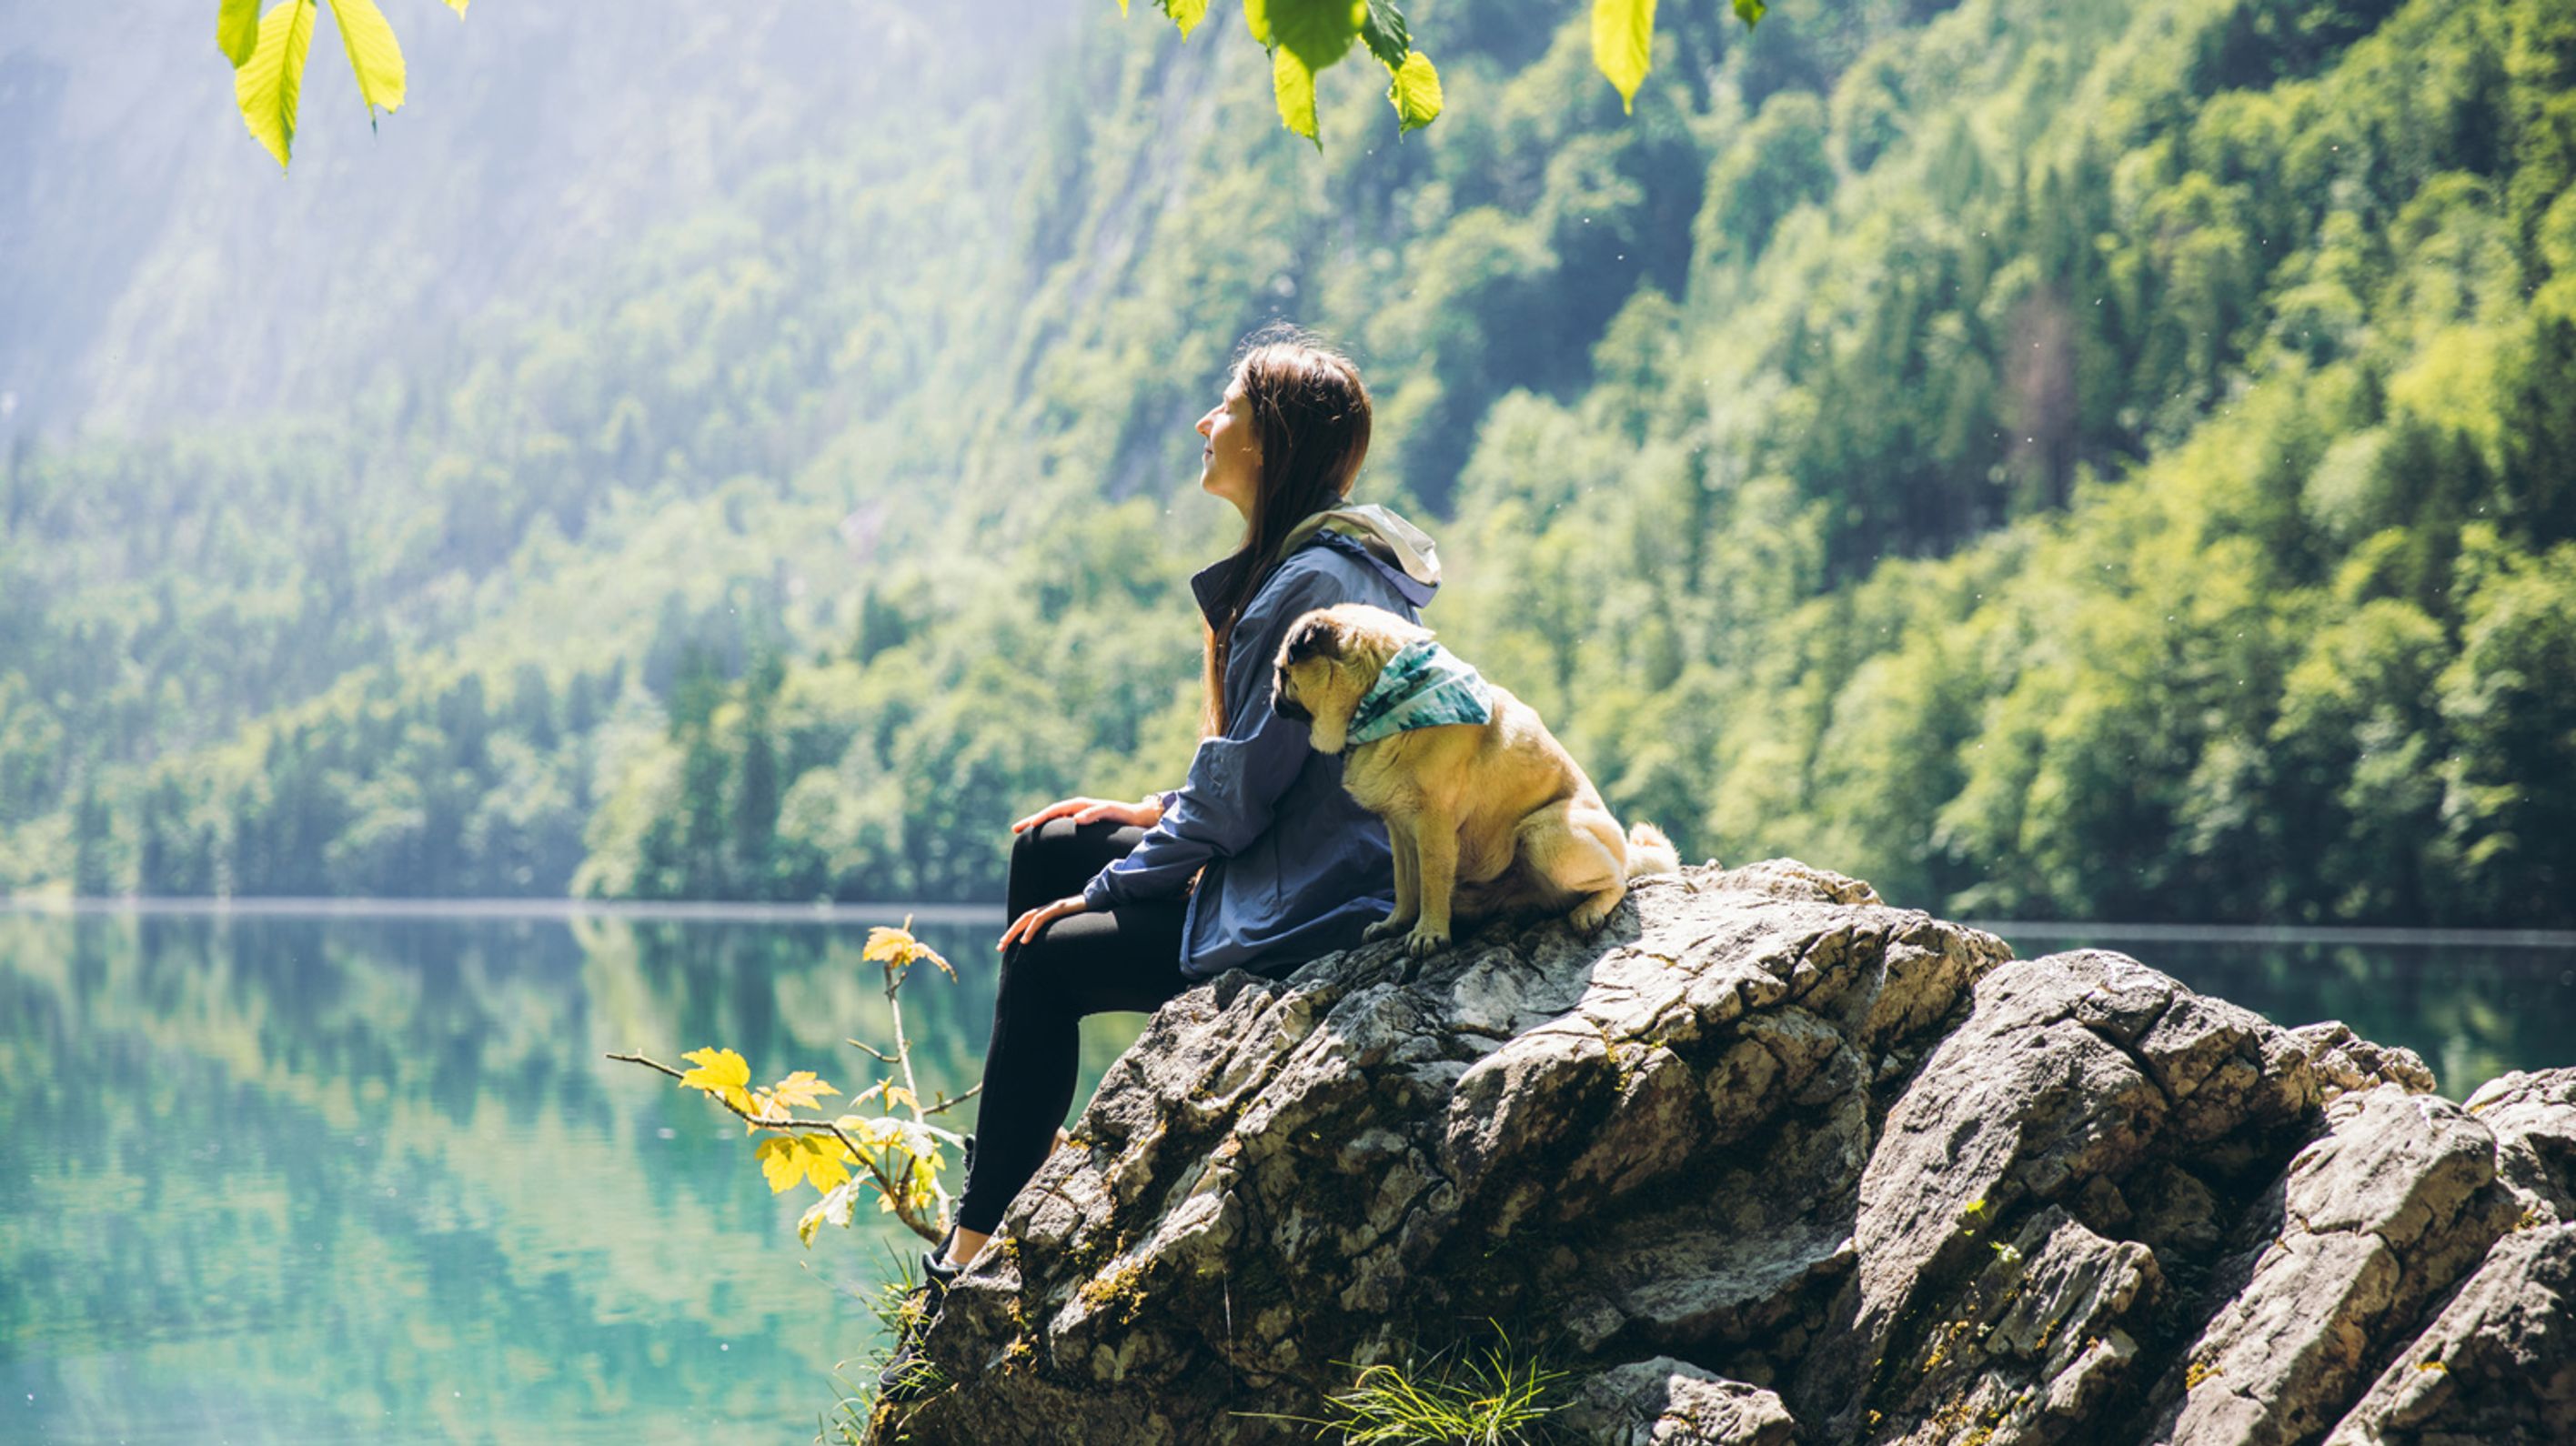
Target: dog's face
[1319,677]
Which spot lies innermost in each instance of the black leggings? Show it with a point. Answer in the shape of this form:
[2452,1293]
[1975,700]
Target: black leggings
[1126,959]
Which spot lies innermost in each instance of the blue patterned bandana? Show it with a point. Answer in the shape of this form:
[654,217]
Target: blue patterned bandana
[1423,686]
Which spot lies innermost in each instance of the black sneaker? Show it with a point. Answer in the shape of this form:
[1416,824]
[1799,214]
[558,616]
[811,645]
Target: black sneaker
[909,1374]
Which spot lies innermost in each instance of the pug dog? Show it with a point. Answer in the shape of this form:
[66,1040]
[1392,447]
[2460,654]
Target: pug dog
[1486,811]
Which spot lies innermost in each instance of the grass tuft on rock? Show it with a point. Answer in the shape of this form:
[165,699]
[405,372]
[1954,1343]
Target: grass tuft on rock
[1495,1395]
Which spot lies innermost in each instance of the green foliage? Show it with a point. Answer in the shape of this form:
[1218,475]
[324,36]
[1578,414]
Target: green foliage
[1300,37]
[237,30]
[374,57]
[1303,37]
[2213,689]
[268,54]
[891,1306]
[1415,90]
[1623,43]
[1490,1395]
[2087,459]
[267,82]
[383,653]
[1293,86]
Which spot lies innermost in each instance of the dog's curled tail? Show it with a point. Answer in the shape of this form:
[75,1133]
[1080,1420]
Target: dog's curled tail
[1649,852]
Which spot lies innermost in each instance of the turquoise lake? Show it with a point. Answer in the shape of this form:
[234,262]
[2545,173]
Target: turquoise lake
[333,1179]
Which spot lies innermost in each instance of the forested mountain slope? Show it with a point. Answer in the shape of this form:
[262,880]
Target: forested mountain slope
[274,632]
[2108,458]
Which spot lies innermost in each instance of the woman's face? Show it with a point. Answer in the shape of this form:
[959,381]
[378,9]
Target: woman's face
[1230,464]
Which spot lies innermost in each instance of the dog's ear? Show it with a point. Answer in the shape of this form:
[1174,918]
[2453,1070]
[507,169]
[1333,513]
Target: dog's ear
[1313,636]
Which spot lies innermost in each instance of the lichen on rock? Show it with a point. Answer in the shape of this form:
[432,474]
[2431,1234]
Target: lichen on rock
[1768,1160]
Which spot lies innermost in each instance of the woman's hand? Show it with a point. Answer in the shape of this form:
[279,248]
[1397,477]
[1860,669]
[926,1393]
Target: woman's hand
[1090,810]
[1026,926]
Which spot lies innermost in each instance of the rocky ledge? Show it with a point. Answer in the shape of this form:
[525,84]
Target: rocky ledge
[1770,1161]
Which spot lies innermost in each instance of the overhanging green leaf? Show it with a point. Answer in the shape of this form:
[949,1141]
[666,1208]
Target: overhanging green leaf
[1415,90]
[1185,13]
[1750,11]
[374,57]
[1383,31]
[1623,43]
[1318,31]
[1293,85]
[237,30]
[267,85]
[456,5]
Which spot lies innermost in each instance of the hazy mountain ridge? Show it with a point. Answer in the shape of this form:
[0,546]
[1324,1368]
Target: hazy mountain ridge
[160,273]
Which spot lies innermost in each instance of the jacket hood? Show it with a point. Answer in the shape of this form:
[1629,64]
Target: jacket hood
[1400,551]
[1388,537]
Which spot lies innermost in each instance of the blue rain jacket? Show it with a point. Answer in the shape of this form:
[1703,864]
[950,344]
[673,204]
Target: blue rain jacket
[1295,868]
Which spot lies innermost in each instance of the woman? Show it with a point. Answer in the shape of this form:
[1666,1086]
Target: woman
[1259,861]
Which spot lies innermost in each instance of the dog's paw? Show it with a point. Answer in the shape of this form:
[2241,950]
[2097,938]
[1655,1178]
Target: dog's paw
[1424,941]
[1384,929]
[1588,919]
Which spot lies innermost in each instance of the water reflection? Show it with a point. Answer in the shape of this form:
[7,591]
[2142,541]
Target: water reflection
[269,1179]
[276,1179]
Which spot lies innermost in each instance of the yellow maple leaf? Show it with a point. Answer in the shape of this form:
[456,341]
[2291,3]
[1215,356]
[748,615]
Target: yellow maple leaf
[897,947]
[818,1159]
[801,1088]
[719,1072]
[896,1094]
[778,1163]
[888,945]
[827,1162]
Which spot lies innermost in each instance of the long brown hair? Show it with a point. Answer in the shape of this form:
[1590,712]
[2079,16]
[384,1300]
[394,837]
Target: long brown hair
[1310,419]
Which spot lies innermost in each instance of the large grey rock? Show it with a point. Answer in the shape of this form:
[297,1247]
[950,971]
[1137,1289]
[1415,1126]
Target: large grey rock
[2533,1117]
[1764,1160]
[2041,1333]
[2498,1365]
[2373,1218]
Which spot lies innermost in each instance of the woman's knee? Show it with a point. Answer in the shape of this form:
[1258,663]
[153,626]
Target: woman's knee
[1058,857]
[1013,981]
[1047,846]
[1051,970]
[1037,866]
[1033,971]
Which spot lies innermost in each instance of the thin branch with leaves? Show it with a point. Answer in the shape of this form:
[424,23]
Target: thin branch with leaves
[897,1155]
